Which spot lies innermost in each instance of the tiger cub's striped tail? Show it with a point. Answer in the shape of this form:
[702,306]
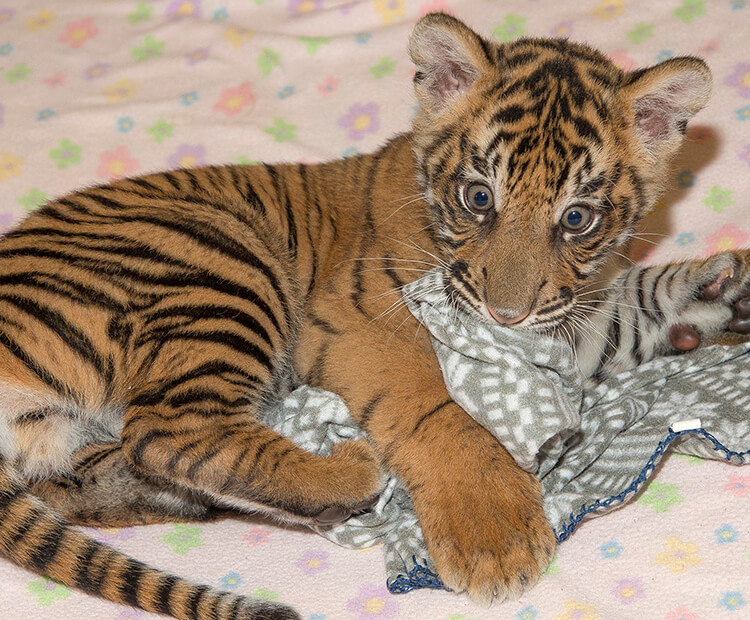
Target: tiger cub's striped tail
[36,538]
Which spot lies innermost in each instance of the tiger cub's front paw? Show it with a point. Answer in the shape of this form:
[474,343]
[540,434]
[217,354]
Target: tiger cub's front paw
[720,312]
[490,540]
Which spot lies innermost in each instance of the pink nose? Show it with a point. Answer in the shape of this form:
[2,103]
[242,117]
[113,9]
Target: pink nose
[504,320]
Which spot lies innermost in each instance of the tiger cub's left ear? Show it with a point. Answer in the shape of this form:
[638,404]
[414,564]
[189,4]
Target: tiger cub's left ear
[664,98]
[449,57]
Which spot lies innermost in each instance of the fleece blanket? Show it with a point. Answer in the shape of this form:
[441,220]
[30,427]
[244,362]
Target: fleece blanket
[93,90]
[591,447]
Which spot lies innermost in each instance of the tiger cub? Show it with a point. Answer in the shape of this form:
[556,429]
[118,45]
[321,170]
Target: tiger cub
[143,323]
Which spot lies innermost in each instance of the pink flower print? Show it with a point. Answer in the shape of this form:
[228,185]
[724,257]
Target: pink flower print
[77,33]
[6,15]
[256,536]
[681,613]
[360,119]
[116,164]
[6,222]
[188,156]
[738,485]
[328,85]
[177,9]
[53,81]
[628,590]
[741,79]
[728,237]
[709,47]
[434,6]
[622,60]
[300,7]
[373,602]
[234,99]
[313,562]
[745,154]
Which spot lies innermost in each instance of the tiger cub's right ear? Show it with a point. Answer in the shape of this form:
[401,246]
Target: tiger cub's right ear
[449,57]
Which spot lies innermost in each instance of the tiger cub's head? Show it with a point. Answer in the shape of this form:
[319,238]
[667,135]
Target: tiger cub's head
[538,158]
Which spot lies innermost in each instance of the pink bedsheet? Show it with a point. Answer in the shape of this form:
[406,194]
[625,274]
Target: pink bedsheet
[92,90]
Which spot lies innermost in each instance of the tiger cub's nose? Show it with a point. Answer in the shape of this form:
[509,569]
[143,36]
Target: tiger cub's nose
[503,319]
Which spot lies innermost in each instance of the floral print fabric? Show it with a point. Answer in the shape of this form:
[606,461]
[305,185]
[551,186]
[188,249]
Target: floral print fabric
[96,90]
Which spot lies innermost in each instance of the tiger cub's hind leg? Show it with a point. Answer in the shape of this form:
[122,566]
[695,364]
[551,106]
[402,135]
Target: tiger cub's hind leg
[196,427]
[102,490]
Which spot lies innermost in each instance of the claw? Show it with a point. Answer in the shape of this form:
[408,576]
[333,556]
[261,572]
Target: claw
[713,290]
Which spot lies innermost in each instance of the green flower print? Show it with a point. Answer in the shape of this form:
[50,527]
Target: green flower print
[661,496]
[32,199]
[151,48]
[513,26]
[161,130]
[282,131]
[141,14]
[66,154]
[184,538]
[47,591]
[266,594]
[20,72]
[552,569]
[641,32]
[268,59]
[313,44]
[718,198]
[244,160]
[689,10]
[384,67]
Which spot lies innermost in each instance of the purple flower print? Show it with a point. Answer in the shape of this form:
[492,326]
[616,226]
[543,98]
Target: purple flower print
[300,7]
[188,156]
[95,71]
[628,590]
[373,602]
[313,562]
[741,79]
[177,9]
[361,119]
[6,15]
[744,154]
[197,55]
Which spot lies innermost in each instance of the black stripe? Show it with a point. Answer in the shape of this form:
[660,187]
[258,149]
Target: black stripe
[74,338]
[83,579]
[194,600]
[369,409]
[428,414]
[283,198]
[130,582]
[46,547]
[39,370]
[164,594]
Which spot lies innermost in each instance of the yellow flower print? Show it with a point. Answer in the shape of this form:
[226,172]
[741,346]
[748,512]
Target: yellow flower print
[41,21]
[576,610]
[679,556]
[124,89]
[10,166]
[237,36]
[608,9]
[390,9]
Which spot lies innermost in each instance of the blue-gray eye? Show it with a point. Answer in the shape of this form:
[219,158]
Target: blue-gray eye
[576,219]
[479,198]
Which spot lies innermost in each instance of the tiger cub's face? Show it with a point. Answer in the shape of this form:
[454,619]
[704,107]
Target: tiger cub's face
[538,158]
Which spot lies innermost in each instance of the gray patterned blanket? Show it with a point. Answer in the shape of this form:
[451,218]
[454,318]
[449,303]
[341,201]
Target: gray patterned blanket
[592,447]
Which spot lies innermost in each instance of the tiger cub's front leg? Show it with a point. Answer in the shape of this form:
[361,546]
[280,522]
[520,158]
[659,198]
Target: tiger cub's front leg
[481,515]
[667,309]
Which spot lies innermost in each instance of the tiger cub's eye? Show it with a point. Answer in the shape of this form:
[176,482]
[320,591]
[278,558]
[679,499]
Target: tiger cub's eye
[478,198]
[576,219]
